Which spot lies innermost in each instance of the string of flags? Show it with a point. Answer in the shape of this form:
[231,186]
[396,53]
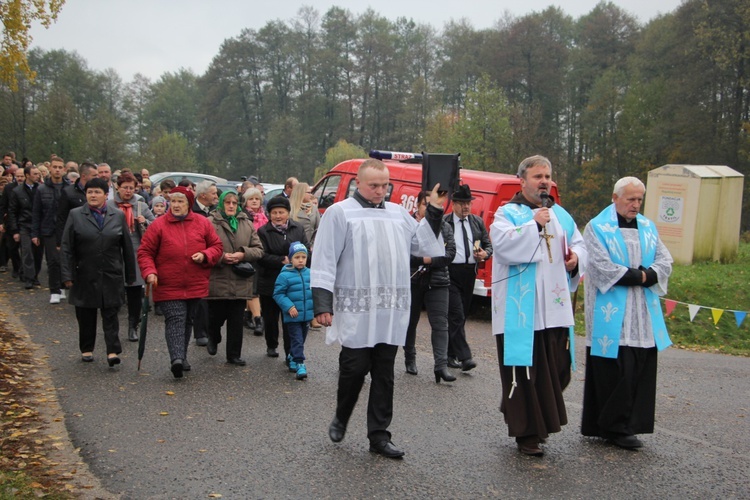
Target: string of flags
[716,313]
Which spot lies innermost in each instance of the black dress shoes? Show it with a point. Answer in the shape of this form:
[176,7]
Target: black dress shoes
[186,366]
[87,358]
[444,374]
[258,330]
[453,363]
[627,442]
[468,364]
[210,346]
[132,334]
[272,353]
[236,361]
[113,360]
[177,368]
[532,450]
[386,448]
[411,367]
[201,341]
[336,430]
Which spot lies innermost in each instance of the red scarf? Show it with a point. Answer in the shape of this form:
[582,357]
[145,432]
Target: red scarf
[127,209]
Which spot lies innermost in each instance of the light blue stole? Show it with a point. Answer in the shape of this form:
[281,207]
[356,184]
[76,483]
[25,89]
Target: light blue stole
[609,309]
[518,338]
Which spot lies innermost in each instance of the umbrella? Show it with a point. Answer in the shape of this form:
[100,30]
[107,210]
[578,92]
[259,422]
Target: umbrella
[144,324]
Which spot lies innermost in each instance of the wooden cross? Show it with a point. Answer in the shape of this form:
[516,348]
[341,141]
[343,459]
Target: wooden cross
[548,237]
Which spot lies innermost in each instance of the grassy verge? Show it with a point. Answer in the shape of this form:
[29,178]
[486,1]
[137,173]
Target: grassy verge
[707,284]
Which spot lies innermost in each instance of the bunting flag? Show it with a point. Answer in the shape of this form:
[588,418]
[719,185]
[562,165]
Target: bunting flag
[693,310]
[739,316]
[670,305]
[716,313]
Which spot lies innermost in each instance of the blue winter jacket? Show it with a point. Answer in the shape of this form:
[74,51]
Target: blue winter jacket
[293,289]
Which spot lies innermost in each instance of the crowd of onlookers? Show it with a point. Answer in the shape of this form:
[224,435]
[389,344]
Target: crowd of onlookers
[211,257]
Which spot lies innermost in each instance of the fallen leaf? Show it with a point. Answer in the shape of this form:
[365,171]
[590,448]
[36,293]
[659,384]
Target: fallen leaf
[214,495]
[163,413]
[169,393]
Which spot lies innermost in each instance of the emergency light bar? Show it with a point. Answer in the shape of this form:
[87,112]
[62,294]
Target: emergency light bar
[394,155]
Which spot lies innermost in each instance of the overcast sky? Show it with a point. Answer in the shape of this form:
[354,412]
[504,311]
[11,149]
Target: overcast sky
[155,36]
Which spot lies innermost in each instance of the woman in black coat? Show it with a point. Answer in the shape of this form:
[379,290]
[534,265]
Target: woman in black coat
[276,236]
[97,258]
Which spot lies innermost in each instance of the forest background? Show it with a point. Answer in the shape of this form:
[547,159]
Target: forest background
[602,96]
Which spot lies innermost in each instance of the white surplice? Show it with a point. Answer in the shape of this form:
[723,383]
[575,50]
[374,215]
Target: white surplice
[362,257]
[517,246]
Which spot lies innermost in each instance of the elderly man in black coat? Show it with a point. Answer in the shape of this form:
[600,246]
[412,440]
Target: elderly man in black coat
[97,258]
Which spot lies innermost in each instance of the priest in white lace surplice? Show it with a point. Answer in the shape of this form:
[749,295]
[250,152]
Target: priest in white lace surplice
[629,269]
[539,257]
[362,292]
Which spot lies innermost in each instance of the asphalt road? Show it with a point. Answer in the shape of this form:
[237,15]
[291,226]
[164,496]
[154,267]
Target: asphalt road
[256,432]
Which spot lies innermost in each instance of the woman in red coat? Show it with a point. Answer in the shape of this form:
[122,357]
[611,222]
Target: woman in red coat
[176,256]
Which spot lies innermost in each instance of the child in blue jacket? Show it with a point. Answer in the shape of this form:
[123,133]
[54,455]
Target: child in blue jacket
[293,295]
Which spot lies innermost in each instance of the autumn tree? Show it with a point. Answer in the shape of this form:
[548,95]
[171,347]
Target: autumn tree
[17,17]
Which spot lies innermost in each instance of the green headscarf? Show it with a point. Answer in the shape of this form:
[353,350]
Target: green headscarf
[233,219]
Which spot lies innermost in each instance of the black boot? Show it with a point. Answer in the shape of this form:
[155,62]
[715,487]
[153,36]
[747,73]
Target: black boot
[247,320]
[258,331]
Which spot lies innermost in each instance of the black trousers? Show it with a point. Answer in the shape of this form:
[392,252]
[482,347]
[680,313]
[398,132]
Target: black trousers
[134,295]
[11,246]
[86,317]
[271,314]
[354,365]
[460,294]
[31,257]
[52,254]
[198,319]
[435,300]
[232,312]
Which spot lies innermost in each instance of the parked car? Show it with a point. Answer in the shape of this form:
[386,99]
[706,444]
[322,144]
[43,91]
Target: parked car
[272,190]
[221,183]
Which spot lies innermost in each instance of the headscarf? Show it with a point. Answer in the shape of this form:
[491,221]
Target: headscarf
[233,219]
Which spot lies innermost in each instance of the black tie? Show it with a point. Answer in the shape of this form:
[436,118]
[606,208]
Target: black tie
[467,250]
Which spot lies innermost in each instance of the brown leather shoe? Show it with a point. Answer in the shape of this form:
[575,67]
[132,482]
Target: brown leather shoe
[532,450]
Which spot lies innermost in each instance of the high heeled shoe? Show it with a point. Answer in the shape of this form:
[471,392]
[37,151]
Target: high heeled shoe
[444,374]
[113,360]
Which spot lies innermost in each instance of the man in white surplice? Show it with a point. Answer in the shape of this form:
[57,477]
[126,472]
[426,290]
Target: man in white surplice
[539,257]
[362,293]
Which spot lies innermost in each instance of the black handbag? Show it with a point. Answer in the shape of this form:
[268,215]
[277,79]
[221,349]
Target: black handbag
[243,269]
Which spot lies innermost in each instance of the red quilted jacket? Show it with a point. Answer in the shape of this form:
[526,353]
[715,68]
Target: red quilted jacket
[166,250]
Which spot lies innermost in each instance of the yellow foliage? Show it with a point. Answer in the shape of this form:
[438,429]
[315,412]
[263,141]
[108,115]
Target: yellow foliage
[17,17]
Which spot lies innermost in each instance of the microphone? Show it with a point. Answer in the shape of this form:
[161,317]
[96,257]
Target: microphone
[546,200]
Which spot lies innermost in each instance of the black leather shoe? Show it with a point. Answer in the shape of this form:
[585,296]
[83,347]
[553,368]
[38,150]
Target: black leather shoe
[87,358]
[386,448]
[627,442]
[468,364]
[236,361]
[444,374]
[132,334]
[336,430]
[411,367]
[186,366]
[113,360]
[272,353]
[177,368]
[201,341]
[210,346]
[532,450]
[453,363]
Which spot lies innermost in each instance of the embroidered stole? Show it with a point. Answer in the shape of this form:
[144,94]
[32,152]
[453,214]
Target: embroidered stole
[518,338]
[609,309]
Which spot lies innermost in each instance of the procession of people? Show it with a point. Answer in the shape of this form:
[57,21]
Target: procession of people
[363,271]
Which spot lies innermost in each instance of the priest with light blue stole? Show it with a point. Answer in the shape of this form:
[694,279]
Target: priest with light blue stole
[538,258]
[628,271]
